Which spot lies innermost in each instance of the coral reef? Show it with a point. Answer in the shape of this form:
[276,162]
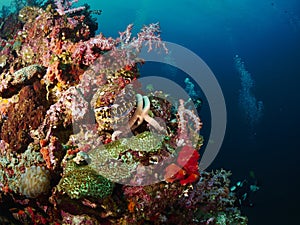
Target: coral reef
[81,143]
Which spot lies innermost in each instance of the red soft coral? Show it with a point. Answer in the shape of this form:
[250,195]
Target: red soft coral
[174,172]
[187,170]
[187,156]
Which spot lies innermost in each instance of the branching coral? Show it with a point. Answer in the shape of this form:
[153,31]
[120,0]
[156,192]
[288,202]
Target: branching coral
[188,132]
[64,7]
[211,197]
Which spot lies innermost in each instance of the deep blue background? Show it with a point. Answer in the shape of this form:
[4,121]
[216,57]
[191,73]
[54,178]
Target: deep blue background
[266,35]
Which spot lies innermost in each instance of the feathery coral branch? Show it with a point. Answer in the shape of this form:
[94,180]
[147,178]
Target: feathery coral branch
[64,7]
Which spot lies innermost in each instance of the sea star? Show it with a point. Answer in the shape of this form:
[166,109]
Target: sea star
[141,113]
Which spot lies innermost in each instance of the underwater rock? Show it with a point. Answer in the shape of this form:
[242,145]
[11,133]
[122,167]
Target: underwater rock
[23,116]
[11,84]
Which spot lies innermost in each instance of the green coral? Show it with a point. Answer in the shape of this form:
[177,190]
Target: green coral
[144,142]
[104,158]
[82,181]
[233,217]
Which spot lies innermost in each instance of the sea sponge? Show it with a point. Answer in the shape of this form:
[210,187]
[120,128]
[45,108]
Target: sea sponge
[35,181]
[23,116]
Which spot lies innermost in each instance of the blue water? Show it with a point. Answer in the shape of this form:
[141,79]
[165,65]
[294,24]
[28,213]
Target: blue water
[266,35]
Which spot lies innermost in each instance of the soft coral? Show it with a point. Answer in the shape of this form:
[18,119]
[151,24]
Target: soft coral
[187,170]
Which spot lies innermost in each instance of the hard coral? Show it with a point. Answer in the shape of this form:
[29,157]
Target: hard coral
[35,181]
[81,182]
[80,72]
[105,159]
[29,13]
